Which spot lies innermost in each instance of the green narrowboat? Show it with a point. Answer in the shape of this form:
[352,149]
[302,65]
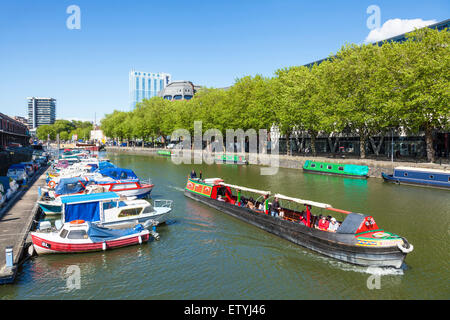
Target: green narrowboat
[347,170]
[165,153]
[231,159]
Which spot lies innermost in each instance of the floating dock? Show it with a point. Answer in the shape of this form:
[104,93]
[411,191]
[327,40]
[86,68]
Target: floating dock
[16,220]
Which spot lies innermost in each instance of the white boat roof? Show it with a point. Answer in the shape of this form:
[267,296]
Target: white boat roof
[244,188]
[422,170]
[307,202]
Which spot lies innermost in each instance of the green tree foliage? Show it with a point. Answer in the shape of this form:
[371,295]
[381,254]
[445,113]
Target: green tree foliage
[367,90]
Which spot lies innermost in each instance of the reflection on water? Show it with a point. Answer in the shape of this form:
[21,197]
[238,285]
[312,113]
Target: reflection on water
[206,254]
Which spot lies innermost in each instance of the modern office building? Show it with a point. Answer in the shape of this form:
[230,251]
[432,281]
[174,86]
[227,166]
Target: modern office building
[400,38]
[146,85]
[179,90]
[41,111]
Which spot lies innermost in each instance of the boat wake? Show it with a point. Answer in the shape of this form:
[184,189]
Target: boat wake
[380,271]
[176,188]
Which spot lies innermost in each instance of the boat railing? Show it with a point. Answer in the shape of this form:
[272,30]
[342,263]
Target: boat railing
[162,203]
[145,181]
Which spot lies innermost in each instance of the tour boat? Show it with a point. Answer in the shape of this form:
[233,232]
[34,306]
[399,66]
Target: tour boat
[357,240]
[419,177]
[82,236]
[347,170]
[109,209]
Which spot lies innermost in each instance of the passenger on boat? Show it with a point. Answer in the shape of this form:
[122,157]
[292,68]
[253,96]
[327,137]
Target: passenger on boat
[323,224]
[261,206]
[250,205]
[193,174]
[220,198]
[334,225]
[275,208]
[302,219]
[200,175]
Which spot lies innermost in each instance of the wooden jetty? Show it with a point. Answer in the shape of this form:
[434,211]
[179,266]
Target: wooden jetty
[16,220]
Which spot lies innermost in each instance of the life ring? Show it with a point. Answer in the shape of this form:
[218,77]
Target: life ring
[77,221]
[51,184]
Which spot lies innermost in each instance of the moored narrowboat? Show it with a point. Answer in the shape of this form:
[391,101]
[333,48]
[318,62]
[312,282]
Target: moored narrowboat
[230,159]
[166,153]
[419,177]
[347,170]
[356,239]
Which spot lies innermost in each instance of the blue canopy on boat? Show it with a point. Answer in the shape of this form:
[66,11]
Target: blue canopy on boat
[99,234]
[17,166]
[105,165]
[85,206]
[93,197]
[71,185]
[119,173]
[5,182]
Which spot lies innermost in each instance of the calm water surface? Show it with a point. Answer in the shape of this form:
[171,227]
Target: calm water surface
[206,254]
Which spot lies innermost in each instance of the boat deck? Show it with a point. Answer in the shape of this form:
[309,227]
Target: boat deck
[16,219]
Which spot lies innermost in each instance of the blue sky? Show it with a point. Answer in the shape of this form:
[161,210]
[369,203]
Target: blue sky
[210,43]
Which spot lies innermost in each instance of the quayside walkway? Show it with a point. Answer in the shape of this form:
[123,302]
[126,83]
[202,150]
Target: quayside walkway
[16,220]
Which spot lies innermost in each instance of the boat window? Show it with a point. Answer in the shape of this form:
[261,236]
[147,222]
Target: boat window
[129,212]
[431,177]
[148,209]
[63,233]
[341,168]
[405,174]
[77,234]
[329,167]
[313,165]
[109,205]
[321,166]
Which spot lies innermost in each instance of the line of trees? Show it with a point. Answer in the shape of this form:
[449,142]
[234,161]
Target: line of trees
[66,129]
[368,90]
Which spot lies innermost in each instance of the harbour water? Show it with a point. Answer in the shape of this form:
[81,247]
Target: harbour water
[206,254]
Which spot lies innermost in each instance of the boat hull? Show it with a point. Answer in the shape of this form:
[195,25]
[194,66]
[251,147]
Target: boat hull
[413,182]
[50,209]
[159,218]
[336,174]
[338,246]
[45,246]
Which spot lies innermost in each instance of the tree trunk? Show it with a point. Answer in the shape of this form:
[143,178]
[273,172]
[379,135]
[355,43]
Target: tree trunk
[313,144]
[362,147]
[429,142]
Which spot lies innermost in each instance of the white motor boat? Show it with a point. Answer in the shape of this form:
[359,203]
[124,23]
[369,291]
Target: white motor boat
[111,210]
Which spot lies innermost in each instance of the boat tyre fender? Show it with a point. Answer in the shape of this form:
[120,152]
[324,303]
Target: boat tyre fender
[51,184]
[406,247]
[77,221]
